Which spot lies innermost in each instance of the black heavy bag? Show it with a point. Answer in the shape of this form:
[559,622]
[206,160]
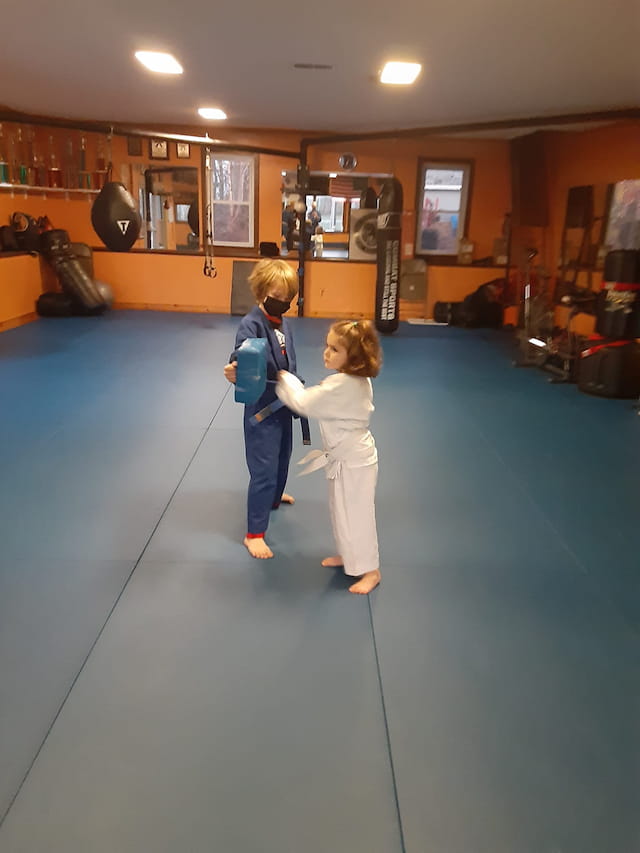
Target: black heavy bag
[115,217]
[84,254]
[63,305]
[56,248]
[55,305]
[193,218]
[388,273]
[610,368]
[618,310]
[622,265]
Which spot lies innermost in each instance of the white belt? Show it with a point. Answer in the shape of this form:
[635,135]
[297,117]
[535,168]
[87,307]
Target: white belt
[330,459]
[317,459]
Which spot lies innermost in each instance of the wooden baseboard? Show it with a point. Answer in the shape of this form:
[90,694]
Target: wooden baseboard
[340,315]
[14,322]
[409,309]
[151,306]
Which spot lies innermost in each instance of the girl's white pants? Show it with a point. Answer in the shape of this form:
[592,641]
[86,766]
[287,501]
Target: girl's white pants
[353,518]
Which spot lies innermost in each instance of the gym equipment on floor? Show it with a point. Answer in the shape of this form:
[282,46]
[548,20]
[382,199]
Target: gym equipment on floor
[57,251]
[610,368]
[618,313]
[536,315]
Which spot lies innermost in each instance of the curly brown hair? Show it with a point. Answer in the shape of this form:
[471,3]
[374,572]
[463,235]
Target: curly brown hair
[360,339]
[271,271]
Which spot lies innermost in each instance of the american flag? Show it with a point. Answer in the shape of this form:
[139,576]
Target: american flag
[342,187]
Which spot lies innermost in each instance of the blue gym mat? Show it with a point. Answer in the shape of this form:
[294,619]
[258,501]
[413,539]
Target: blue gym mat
[160,690]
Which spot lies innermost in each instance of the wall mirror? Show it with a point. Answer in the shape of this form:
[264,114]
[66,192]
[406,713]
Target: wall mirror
[170,208]
[342,205]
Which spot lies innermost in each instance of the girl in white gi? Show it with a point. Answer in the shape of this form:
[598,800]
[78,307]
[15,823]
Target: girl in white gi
[343,404]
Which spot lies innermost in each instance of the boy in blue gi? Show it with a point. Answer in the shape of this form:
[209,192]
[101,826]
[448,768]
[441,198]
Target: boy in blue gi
[274,283]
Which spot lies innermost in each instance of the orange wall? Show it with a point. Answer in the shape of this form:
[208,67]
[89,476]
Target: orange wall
[452,284]
[73,211]
[165,282]
[20,286]
[597,156]
[334,289]
[74,214]
[491,191]
[151,280]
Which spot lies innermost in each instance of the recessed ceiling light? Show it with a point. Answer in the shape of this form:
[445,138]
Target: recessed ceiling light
[162,63]
[400,73]
[212,112]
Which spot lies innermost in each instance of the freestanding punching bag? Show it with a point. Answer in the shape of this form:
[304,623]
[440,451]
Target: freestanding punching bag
[115,217]
[388,256]
[79,287]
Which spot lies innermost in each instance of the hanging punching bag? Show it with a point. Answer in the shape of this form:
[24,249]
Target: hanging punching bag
[115,217]
[193,218]
[388,256]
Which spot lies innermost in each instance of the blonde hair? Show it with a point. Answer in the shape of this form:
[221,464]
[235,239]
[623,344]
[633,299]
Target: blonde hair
[360,339]
[272,271]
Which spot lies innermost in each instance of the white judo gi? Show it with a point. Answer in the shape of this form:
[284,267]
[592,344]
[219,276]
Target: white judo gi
[343,405]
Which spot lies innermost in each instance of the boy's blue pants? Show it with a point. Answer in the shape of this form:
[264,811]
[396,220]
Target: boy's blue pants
[268,451]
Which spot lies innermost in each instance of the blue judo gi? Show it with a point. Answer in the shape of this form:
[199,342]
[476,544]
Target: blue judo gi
[267,444]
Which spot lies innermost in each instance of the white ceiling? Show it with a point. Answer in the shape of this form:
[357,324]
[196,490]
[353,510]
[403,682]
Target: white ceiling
[483,60]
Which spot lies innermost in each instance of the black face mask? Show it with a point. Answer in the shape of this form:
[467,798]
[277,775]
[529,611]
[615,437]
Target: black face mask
[275,307]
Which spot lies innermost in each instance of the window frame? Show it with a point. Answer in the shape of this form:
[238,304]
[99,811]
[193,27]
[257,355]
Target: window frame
[240,247]
[467,167]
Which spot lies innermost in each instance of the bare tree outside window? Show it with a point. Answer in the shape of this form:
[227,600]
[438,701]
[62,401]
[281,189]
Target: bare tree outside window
[233,193]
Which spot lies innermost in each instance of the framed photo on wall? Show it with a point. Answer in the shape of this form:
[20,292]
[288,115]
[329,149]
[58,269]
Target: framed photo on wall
[134,146]
[183,150]
[158,149]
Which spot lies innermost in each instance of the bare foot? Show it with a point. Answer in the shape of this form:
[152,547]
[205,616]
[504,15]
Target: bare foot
[367,582]
[258,548]
[332,562]
[287,499]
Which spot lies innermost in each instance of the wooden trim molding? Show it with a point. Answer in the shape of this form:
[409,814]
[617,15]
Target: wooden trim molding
[14,322]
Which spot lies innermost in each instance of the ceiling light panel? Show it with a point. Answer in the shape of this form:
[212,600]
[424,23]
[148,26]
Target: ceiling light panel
[400,73]
[160,63]
[212,113]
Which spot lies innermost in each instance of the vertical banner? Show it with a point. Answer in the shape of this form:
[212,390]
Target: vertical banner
[388,256]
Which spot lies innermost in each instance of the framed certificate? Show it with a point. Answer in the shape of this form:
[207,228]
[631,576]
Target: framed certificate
[158,149]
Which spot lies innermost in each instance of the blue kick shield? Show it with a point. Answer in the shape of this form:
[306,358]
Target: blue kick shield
[251,373]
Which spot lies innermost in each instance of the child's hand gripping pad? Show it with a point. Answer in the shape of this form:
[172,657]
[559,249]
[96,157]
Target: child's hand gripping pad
[251,373]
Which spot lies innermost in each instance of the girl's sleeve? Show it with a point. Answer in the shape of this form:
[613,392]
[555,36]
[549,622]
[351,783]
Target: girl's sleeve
[319,401]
